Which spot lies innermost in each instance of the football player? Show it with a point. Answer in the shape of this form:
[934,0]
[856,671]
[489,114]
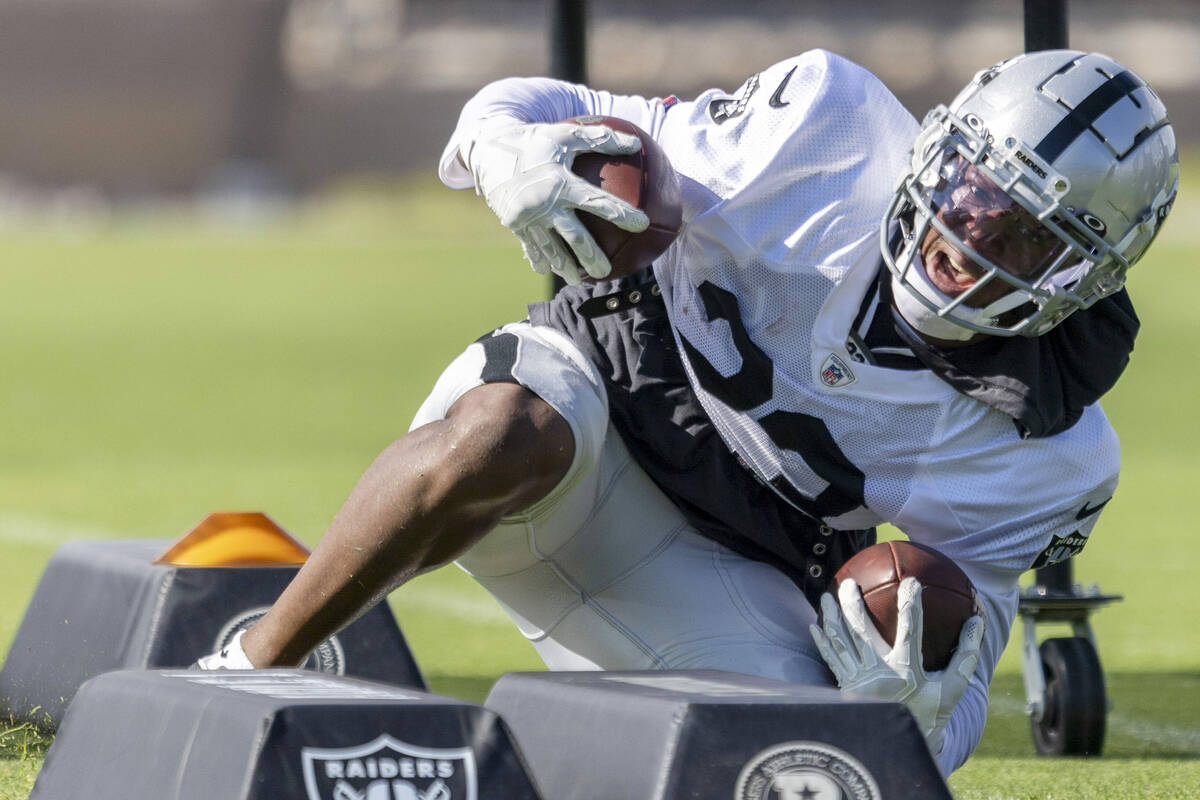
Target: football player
[864,320]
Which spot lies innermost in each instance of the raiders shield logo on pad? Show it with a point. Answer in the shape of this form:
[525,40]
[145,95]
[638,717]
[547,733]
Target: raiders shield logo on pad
[388,769]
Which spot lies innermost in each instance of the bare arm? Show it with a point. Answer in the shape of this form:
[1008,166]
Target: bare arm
[424,501]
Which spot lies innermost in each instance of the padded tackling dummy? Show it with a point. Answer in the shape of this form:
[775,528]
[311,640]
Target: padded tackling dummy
[705,733]
[106,605]
[271,734]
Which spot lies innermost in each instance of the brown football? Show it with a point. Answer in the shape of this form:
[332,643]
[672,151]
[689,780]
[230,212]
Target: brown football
[947,597]
[645,180]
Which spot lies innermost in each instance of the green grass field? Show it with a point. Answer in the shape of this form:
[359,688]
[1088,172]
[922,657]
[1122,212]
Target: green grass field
[160,366]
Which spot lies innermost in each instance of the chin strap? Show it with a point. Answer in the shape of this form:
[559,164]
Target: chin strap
[928,322]
[921,318]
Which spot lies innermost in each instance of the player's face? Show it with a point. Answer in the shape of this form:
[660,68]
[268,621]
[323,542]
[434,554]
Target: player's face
[991,224]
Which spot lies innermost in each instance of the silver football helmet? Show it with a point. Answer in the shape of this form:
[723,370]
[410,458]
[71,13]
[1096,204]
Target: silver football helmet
[1030,196]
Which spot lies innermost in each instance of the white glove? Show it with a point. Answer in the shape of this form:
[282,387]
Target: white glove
[231,656]
[865,664]
[523,172]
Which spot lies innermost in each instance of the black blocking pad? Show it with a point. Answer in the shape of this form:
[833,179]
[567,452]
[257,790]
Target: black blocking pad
[710,734]
[275,734]
[104,605]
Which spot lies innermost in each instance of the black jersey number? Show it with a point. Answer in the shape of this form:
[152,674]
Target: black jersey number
[753,385]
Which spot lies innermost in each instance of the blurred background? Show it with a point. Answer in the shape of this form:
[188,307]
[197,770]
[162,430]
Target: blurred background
[116,101]
[228,276]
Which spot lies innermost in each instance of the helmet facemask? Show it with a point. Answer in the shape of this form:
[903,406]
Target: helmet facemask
[977,235]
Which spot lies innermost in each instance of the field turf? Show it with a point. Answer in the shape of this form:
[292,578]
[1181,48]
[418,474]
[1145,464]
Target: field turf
[160,365]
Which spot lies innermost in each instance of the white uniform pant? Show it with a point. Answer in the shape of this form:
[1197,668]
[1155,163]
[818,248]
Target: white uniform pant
[605,572]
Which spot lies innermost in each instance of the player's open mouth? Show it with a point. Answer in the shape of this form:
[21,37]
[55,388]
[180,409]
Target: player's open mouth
[948,270]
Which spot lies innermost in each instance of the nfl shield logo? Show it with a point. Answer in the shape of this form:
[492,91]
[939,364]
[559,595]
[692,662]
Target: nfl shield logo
[388,769]
[835,373]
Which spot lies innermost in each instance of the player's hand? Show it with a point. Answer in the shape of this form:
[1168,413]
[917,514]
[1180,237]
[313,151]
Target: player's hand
[864,663]
[523,172]
[231,656]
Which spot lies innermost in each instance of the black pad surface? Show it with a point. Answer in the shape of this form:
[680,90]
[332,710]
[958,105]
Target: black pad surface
[274,734]
[710,734]
[104,605]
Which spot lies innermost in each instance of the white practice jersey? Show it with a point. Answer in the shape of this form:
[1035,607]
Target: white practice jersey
[785,182]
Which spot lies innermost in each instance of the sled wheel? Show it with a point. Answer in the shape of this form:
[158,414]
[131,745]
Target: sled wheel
[1076,707]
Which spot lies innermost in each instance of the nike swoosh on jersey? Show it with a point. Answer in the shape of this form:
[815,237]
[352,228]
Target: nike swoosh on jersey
[1086,512]
[776,100]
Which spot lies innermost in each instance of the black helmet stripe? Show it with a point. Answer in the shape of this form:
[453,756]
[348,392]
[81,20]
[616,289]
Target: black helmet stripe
[1084,115]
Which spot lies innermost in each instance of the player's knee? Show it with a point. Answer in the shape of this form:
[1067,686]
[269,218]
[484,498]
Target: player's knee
[506,447]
